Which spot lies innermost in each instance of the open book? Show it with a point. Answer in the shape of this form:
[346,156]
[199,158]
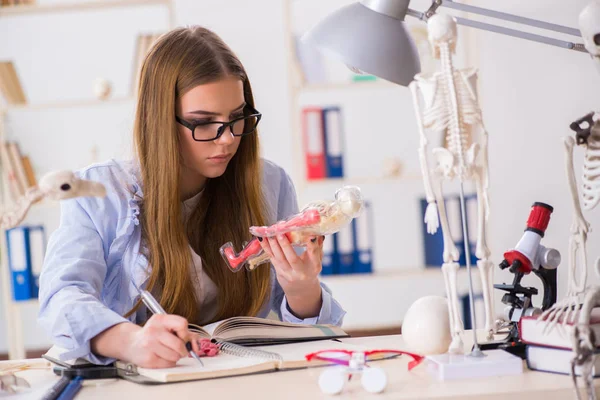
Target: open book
[259,331]
[289,356]
[284,346]
[292,356]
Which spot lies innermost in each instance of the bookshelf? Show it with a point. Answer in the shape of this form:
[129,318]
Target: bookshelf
[12,309]
[399,276]
[72,103]
[350,95]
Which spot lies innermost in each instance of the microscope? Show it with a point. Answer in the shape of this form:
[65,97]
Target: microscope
[528,256]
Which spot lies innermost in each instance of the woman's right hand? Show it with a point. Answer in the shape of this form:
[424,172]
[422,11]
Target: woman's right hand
[160,343]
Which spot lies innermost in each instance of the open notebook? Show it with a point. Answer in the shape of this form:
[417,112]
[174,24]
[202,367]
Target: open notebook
[261,331]
[285,343]
[225,365]
[290,356]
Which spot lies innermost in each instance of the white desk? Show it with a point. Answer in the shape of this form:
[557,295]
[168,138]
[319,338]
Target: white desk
[302,384]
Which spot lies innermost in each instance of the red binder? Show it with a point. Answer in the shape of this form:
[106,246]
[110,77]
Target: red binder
[314,143]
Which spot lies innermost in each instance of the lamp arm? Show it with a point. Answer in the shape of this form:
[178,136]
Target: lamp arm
[502,30]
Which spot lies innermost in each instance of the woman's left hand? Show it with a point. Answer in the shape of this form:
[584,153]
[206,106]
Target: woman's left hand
[298,275]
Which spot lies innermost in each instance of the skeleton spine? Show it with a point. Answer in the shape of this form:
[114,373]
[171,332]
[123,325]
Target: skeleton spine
[456,135]
[591,174]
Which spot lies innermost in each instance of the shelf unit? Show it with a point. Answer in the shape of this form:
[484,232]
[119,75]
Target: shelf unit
[71,104]
[302,92]
[386,295]
[389,290]
[12,309]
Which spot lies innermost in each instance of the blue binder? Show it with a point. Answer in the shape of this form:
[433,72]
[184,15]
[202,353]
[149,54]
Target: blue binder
[333,131]
[345,250]
[329,262]
[37,249]
[19,263]
[466,310]
[26,246]
[434,244]
[363,235]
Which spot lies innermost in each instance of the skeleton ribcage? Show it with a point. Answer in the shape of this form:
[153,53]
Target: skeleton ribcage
[591,174]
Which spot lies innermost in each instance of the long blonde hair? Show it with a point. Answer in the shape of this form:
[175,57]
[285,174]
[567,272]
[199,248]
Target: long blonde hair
[179,61]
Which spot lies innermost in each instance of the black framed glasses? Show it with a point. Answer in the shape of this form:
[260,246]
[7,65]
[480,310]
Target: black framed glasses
[212,130]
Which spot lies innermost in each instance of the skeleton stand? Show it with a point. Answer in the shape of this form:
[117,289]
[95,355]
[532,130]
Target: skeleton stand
[476,352]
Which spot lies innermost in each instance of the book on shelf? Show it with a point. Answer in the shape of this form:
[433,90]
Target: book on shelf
[17,170]
[31,181]
[15,190]
[143,44]
[549,359]
[17,162]
[10,86]
[285,347]
[531,331]
[323,142]
[350,250]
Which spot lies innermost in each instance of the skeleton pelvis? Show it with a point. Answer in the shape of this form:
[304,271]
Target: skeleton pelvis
[447,162]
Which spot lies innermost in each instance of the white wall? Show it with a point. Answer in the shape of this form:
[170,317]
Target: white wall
[529,94]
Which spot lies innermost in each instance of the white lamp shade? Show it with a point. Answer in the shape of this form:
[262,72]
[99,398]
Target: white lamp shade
[369,41]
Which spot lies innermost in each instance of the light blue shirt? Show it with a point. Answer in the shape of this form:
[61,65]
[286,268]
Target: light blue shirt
[93,258]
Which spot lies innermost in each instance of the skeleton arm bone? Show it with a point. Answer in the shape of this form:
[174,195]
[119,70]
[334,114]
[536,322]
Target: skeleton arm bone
[431,217]
[580,226]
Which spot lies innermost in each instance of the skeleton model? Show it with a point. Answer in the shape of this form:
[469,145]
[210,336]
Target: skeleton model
[316,219]
[588,136]
[451,107]
[58,185]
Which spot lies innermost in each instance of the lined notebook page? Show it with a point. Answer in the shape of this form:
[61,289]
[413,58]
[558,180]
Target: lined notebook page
[214,367]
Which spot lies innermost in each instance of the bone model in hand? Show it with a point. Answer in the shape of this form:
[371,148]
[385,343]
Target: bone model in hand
[59,185]
[316,219]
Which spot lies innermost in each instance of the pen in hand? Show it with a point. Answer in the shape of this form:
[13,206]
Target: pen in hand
[155,307]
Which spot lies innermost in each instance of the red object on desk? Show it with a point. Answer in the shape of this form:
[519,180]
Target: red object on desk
[320,355]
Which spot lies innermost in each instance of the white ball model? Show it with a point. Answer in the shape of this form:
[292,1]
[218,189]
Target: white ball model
[426,326]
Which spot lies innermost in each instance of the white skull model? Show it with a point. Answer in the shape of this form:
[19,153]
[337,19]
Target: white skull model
[589,25]
[441,28]
[59,185]
[62,185]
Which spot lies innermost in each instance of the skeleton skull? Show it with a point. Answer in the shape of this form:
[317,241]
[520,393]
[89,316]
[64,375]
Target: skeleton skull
[62,185]
[441,28]
[589,25]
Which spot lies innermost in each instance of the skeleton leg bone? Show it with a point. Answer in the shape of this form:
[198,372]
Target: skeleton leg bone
[485,266]
[449,269]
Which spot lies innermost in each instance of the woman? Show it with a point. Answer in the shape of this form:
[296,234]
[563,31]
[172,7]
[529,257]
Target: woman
[197,182]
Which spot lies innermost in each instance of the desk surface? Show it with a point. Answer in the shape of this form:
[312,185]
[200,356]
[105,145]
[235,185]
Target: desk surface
[302,384]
